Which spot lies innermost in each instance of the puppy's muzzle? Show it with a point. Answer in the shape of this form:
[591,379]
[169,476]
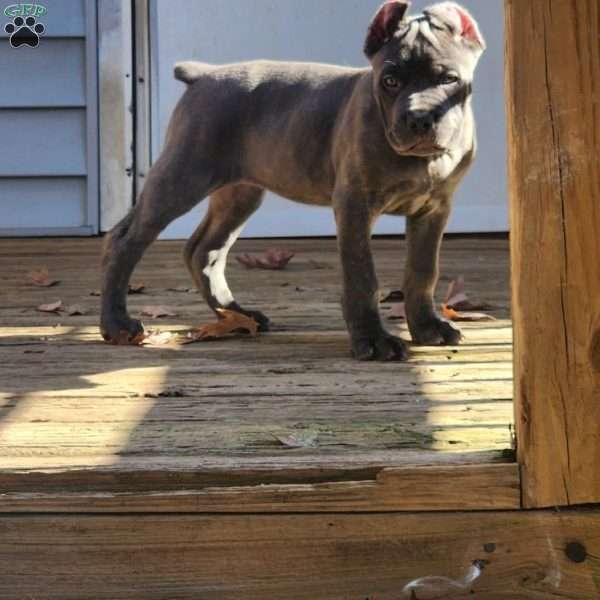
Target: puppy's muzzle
[419,122]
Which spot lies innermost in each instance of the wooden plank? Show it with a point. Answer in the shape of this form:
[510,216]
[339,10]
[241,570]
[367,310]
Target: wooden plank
[82,473]
[472,487]
[553,73]
[526,556]
[78,415]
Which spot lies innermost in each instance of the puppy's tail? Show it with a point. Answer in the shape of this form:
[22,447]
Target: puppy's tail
[190,71]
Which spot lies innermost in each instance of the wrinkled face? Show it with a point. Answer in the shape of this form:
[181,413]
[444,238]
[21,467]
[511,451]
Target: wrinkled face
[422,75]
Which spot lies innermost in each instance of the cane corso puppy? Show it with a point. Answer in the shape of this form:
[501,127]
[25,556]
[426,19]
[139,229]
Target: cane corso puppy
[394,138]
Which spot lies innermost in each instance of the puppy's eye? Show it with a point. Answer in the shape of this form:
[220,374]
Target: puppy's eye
[448,79]
[391,82]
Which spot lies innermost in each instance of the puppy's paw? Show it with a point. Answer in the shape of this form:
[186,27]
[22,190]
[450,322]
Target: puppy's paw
[379,346]
[121,330]
[262,319]
[436,333]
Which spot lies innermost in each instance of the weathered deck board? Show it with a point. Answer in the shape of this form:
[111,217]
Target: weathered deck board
[454,487]
[527,556]
[70,403]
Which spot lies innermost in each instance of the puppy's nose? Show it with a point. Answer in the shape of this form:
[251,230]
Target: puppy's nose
[419,121]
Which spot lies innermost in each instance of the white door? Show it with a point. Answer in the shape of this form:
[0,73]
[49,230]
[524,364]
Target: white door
[324,31]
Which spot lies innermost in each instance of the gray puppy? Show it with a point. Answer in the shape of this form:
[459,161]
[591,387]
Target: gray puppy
[395,138]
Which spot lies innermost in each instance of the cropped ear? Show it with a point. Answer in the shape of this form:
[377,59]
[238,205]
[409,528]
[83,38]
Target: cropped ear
[459,21]
[384,24]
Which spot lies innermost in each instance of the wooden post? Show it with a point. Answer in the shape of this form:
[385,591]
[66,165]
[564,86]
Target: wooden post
[553,101]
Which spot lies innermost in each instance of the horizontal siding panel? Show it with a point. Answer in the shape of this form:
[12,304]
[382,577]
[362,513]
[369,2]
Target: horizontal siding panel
[52,76]
[65,18]
[43,142]
[42,202]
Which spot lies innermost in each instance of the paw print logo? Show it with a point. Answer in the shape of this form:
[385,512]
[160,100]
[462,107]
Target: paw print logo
[24,32]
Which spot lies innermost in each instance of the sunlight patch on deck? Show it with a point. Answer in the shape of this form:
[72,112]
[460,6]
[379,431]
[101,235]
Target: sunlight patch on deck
[27,433]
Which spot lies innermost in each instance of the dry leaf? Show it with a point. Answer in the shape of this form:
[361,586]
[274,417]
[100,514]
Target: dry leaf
[75,310]
[391,296]
[158,311]
[41,278]
[454,315]
[457,298]
[53,307]
[230,322]
[308,439]
[136,288]
[156,338]
[397,311]
[273,259]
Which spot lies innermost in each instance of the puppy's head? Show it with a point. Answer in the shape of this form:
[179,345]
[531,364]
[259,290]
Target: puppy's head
[423,68]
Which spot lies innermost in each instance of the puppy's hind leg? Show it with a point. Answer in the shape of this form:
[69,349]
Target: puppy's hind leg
[207,249]
[169,192]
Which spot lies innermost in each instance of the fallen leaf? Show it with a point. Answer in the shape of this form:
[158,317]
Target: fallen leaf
[41,278]
[273,259]
[136,288]
[454,315]
[457,298]
[386,296]
[230,322]
[157,338]
[75,310]
[396,311]
[308,439]
[53,307]
[156,312]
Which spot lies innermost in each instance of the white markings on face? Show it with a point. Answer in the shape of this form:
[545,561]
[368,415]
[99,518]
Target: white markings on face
[215,270]
[443,166]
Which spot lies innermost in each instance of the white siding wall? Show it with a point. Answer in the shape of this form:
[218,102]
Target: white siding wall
[48,125]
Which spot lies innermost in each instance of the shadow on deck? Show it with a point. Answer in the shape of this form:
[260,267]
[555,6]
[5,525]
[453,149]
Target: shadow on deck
[76,413]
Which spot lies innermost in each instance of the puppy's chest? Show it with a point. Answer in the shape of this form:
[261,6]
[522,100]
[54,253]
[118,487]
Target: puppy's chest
[426,184]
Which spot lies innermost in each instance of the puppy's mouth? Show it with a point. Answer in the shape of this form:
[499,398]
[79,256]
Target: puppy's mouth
[422,148]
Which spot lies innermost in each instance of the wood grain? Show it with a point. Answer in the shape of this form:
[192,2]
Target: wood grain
[469,487]
[78,416]
[528,556]
[553,77]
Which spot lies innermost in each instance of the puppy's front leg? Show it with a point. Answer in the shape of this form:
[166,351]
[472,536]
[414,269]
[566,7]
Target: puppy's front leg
[368,338]
[424,234]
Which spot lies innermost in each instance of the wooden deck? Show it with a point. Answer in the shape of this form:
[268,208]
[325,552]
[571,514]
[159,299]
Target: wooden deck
[77,413]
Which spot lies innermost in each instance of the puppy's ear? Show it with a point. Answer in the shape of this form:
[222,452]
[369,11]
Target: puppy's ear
[459,21]
[384,24]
